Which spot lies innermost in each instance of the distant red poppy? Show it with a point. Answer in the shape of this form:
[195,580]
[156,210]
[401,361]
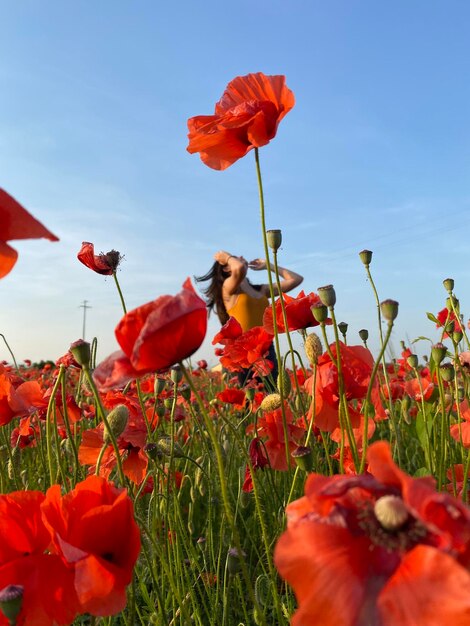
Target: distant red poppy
[16,223]
[233,396]
[298,311]
[246,117]
[357,363]
[154,337]
[94,530]
[270,426]
[243,350]
[380,548]
[103,263]
[445,316]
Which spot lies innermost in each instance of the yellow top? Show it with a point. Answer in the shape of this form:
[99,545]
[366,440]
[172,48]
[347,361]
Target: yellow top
[248,311]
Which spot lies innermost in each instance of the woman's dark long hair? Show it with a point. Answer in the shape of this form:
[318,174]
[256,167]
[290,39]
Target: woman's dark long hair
[213,293]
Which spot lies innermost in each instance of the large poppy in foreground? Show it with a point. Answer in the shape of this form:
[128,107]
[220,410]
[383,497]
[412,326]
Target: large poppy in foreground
[380,549]
[246,117]
[16,223]
[298,313]
[154,337]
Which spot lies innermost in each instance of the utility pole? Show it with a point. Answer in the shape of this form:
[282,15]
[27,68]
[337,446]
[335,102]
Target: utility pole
[84,306]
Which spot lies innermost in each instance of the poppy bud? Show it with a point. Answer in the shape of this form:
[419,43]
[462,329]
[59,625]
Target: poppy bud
[271,402]
[13,465]
[11,600]
[117,420]
[343,328]
[364,334]
[438,353]
[389,309]
[327,295]
[319,312]
[412,361]
[286,384]
[168,402]
[391,512]
[250,394]
[81,352]
[274,238]
[303,456]
[448,284]
[366,257]
[457,336]
[186,392]
[313,348]
[160,411]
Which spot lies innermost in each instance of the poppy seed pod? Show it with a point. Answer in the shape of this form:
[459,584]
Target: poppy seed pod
[447,372]
[389,309]
[366,257]
[343,328]
[364,334]
[117,420]
[176,374]
[81,352]
[274,238]
[448,284]
[313,348]
[438,353]
[412,361]
[11,600]
[158,385]
[319,312]
[391,512]
[152,451]
[303,456]
[457,336]
[327,295]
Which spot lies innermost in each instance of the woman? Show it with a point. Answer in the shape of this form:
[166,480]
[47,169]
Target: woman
[231,294]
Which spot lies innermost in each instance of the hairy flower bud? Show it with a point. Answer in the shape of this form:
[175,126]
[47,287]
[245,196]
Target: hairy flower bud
[286,384]
[313,348]
[164,444]
[271,402]
[81,352]
[117,420]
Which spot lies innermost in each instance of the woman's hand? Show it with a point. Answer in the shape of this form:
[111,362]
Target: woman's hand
[222,257]
[257,264]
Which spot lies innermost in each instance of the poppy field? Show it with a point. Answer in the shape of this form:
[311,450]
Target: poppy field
[150,488]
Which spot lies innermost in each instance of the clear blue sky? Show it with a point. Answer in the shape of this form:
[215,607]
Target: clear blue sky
[375,154]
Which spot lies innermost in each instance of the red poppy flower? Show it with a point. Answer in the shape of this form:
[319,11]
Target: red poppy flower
[298,311]
[357,364]
[19,401]
[48,597]
[381,548]
[16,223]
[94,530]
[243,350]
[461,432]
[236,397]
[270,426]
[445,316]
[246,117]
[102,263]
[154,337]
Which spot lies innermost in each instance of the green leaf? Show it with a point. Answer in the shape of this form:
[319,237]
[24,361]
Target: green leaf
[433,318]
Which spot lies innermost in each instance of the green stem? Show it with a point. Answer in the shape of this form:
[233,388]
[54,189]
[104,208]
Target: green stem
[121,297]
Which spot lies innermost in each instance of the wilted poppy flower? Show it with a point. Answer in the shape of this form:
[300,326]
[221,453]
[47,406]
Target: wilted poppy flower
[103,263]
[246,117]
[381,548]
[16,223]
[154,337]
[298,312]
[258,461]
[94,531]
